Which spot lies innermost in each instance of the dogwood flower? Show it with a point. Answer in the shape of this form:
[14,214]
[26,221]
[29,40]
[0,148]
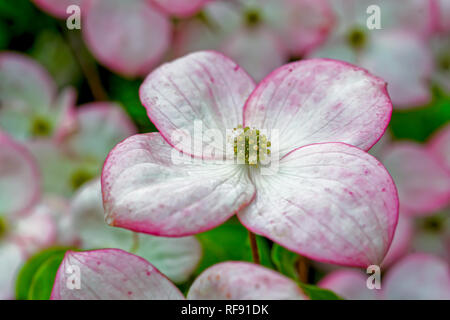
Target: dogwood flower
[176,258]
[259,35]
[323,197]
[418,276]
[30,107]
[102,270]
[398,51]
[79,155]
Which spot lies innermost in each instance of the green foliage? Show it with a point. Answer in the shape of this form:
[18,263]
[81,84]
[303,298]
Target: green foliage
[317,293]
[20,22]
[42,284]
[127,93]
[230,242]
[285,261]
[52,51]
[419,124]
[35,279]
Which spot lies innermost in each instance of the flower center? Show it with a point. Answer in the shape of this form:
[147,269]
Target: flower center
[444,62]
[40,127]
[294,58]
[357,38]
[252,17]
[79,177]
[250,145]
[3,227]
[433,224]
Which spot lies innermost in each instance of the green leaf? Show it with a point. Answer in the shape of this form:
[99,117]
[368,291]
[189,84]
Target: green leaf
[420,123]
[127,93]
[230,242]
[317,293]
[42,284]
[22,20]
[53,52]
[31,268]
[285,261]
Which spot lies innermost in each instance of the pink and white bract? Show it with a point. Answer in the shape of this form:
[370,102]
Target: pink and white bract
[329,200]
[102,270]
[402,242]
[440,146]
[19,175]
[423,183]
[443,20]
[243,281]
[180,8]
[112,274]
[417,276]
[129,37]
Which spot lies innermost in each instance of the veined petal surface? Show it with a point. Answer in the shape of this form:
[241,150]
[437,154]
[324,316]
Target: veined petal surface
[193,95]
[129,37]
[320,100]
[111,274]
[243,281]
[147,187]
[330,202]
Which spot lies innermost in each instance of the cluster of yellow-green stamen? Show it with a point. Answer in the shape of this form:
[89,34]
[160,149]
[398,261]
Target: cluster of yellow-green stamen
[79,177]
[40,127]
[250,145]
[357,38]
[3,227]
[444,62]
[252,17]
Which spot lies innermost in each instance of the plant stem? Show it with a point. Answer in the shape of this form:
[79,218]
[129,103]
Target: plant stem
[135,245]
[87,66]
[254,247]
[302,269]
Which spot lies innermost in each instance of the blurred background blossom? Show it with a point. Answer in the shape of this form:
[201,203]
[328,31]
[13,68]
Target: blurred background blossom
[67,97]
